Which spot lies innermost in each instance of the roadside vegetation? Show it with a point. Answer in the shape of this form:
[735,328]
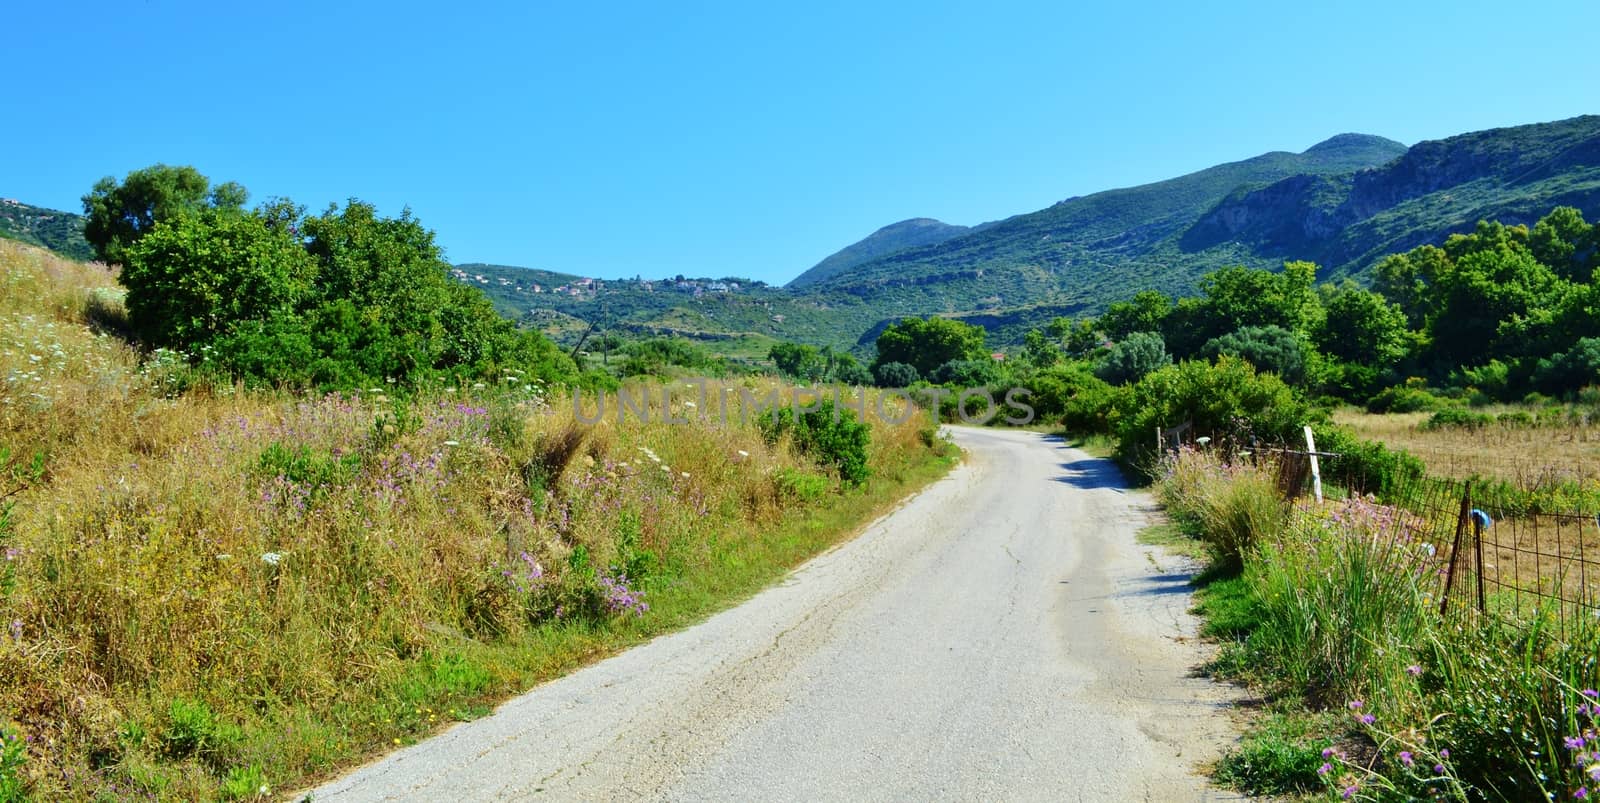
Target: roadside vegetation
[277,496]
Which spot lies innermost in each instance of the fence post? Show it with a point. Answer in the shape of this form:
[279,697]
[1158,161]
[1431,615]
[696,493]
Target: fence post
[1477,548]
[1455,549]
[1316,470]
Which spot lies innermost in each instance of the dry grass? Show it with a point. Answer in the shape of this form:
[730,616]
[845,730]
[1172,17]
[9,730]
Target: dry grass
[210,592]
[1522,455]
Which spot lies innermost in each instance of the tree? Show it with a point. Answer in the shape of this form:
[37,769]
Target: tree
[1078,337]
[194,277]
[1480,290]
[968,373]
[797,361]
[1404,279]
[1563,242]
[1129,360]
[1039,350]
[1570,370]
[895,375]
[1271,349]
[1146,312]
[1362,327]
[847,370]
[120,214]
[927,343]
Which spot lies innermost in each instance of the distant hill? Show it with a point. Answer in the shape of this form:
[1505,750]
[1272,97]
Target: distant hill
[61,232]
[1347,222]
[1072,251]
[1343,203]
[887,240]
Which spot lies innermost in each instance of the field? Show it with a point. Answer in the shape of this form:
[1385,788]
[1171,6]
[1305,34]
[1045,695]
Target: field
[1526,456]
[209,593]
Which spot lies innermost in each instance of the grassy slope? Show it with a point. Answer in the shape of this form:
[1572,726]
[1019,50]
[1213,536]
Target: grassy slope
[208,592]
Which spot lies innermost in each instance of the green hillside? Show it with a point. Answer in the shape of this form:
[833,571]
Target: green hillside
[58,231]
[887,240]
[1343,203]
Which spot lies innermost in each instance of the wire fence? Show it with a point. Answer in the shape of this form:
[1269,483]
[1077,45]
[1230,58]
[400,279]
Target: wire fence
[1500,547]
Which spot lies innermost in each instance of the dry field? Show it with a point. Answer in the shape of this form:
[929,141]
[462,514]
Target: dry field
[1523,456]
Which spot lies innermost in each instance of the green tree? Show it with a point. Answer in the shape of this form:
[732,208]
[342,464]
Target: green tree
[1078,337]
[1271,349]
[1405,278]
[119,214]
[1361,326]
[895,375]
[194,277]
[1564,242]
[797,361]
[1129,360]
[1481,290]
[927,343]
[1039,350]
[1147,311]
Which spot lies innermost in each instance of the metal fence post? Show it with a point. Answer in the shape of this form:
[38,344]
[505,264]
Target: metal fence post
[1455,548]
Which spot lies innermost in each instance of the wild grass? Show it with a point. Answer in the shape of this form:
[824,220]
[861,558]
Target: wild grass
[1336,617]
[215,594]
[1515,449]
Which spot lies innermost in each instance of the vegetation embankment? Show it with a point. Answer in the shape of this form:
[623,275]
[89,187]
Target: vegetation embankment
[231,566]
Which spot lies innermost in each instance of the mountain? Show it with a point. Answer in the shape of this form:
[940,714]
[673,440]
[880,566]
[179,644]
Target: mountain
[1347,222]
[1343,203]
[1089,248]
[887,240]
[58,231]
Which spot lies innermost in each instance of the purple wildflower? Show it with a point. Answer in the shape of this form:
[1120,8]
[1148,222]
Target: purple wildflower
[1413,670]
[1406,759]
[1574,742]
[1325,769]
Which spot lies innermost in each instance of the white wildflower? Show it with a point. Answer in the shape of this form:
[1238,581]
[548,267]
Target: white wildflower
[224,556]
[271,558]
[452,443]
[743,453]
[686,475]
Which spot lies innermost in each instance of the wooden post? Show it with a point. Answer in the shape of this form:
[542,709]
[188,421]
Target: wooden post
[1316,470]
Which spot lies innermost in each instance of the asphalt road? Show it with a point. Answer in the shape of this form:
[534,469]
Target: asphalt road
[1000,636]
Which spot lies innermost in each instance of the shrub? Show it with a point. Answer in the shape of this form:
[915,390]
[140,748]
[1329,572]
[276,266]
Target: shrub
[1271,349]
[1458,418]
[968,373]
[1569,370]
[1407,398]
[1130,360]
[896,375]
[827,434]
[1227,401]
[1367,467]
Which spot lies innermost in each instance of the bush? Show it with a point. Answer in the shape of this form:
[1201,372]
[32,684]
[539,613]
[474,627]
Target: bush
[1407,398]
[827,434]
[1458,418]
[1271,349]
[1072,394]
[1367,467]
[968,373]
[896,375]
[1130,360]
[1569,370]
[1227,401]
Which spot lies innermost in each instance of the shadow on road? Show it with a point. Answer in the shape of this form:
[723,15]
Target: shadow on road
[1092,475]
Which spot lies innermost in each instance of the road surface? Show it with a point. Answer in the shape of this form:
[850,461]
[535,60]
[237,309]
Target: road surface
[1000,636]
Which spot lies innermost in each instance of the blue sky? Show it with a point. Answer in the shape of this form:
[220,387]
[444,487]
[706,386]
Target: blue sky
[746,139]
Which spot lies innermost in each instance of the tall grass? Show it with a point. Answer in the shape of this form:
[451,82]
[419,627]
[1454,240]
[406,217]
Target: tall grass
[214,594]
[1337,610]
